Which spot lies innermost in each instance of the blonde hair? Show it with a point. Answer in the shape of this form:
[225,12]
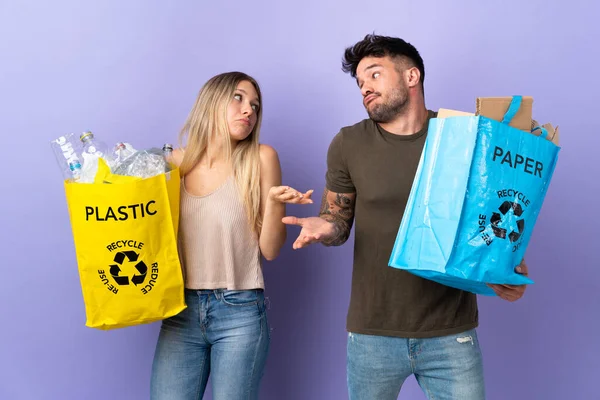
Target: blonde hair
[207,121]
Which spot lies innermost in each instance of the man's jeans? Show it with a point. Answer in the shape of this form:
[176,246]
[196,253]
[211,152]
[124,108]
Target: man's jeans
[446,368]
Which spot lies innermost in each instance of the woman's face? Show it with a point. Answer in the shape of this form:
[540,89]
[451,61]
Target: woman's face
[242,112]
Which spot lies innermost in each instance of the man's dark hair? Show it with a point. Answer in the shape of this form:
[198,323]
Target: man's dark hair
[380,46]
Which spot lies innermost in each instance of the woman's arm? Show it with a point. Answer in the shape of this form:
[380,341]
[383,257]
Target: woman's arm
[273,233]
[273,197]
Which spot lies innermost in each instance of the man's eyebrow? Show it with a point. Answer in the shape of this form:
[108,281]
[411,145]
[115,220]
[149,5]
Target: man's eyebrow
[371,66]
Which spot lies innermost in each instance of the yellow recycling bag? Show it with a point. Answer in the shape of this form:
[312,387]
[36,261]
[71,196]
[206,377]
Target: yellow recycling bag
[125,234]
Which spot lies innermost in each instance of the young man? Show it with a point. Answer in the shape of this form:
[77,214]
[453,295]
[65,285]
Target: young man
[399,324]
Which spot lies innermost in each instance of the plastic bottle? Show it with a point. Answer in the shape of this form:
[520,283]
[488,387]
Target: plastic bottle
[121,152]
[66,151]
[93,146]
[93,149]
[167,154]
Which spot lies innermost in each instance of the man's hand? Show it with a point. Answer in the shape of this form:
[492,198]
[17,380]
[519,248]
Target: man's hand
[314,229]
[332,226]
[512,292]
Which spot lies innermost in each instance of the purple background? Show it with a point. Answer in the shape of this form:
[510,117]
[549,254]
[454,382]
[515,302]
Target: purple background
[130,70]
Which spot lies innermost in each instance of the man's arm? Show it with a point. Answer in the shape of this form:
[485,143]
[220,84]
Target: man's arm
[338,208]
[332,226]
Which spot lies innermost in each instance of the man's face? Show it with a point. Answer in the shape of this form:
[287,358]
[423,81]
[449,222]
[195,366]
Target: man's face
[385,93]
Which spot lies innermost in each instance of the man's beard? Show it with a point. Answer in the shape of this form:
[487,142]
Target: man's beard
[388,111]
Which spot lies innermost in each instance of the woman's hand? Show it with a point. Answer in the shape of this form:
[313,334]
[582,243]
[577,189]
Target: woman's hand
[286,194]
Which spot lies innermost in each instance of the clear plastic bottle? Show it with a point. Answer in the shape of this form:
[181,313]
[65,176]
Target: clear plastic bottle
[167,150]
[92,145]
[167,154]
[67,151]
[122,151]
[93,150]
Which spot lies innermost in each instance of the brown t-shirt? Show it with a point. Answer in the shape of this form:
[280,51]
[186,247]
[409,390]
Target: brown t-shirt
[380,167]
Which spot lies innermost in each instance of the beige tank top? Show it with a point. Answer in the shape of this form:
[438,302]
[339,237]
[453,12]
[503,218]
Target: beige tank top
[216,244]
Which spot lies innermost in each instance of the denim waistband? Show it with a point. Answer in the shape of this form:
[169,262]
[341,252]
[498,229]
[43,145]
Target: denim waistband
[218,291]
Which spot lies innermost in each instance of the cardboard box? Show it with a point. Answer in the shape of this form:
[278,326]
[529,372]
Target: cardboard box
[553,135]
[495,108]
[445,112]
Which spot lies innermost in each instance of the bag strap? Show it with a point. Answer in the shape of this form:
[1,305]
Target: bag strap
[512,109]
[544,133]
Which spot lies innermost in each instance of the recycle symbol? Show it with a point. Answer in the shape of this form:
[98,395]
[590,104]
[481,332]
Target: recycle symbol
[131,256]
[496,219]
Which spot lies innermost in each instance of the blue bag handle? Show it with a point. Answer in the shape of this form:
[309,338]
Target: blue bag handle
[512,109]
[544,133]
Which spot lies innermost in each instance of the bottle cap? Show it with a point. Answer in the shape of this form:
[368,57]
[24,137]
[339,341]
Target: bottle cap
[85,135]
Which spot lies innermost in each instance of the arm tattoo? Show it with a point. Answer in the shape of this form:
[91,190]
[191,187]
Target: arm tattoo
[338,208]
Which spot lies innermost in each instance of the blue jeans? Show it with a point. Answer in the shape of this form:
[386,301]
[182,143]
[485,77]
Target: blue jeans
[446,368]
[221,333]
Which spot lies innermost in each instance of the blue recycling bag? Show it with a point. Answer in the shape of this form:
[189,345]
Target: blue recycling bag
[476,196]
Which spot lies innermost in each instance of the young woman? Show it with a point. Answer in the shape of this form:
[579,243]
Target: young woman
[232,204]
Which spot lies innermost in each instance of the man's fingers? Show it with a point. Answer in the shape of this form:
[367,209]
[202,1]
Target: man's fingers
[505,292]
[522,268]
[493,287]
[501,293]
[311,238]
[305,240]
[510,287]
[292,221]
[300,243]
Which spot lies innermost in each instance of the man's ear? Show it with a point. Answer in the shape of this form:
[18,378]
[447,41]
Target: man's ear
[412,76]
